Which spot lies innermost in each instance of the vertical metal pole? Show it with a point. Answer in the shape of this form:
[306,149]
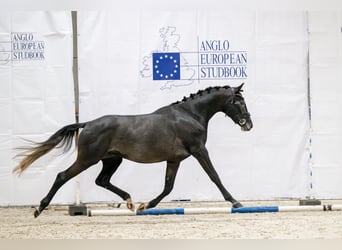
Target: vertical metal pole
[310,199]
[75,64]
[310,193]
[78,208]
[76,89]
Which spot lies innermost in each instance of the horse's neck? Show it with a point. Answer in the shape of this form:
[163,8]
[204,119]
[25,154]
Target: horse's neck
[207,106]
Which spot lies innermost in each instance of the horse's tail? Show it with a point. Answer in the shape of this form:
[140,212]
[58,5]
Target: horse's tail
[62,138]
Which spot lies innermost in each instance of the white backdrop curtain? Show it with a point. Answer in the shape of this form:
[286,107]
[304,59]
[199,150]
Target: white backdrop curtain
[326,92]
[115,71]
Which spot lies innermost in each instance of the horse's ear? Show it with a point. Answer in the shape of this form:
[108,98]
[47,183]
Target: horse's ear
[239,88]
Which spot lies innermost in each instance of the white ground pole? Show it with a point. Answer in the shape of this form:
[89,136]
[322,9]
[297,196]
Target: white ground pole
[215,210]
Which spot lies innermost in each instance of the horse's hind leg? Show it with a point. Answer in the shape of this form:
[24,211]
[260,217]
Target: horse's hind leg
[171,171]
[110,165]
[61,179]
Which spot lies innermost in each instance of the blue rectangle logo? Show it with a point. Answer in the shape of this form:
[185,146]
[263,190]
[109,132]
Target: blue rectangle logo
[166,66]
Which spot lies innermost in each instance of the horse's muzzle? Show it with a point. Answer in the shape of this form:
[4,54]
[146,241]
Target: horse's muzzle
[247,125]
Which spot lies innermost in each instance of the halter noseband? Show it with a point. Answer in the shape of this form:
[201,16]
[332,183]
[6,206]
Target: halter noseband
[242,119]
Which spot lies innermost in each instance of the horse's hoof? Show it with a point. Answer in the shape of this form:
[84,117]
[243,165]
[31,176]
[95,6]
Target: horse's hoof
[141,208]
[36,213]
[130,205]
[237,204]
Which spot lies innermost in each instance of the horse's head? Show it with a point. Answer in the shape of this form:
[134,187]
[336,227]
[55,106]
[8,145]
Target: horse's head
[236,109]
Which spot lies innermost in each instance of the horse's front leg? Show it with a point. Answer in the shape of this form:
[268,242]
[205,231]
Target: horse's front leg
[203,158]
[171,171]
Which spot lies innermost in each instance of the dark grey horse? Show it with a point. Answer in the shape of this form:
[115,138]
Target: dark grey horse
[171,133]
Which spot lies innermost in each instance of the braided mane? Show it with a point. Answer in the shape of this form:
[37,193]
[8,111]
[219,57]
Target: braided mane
[201,93]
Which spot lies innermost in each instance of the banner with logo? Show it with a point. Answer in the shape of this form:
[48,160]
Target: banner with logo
[36,99]
[135,61]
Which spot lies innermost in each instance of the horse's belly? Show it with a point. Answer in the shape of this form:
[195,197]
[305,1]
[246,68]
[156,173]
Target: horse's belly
[152,153]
